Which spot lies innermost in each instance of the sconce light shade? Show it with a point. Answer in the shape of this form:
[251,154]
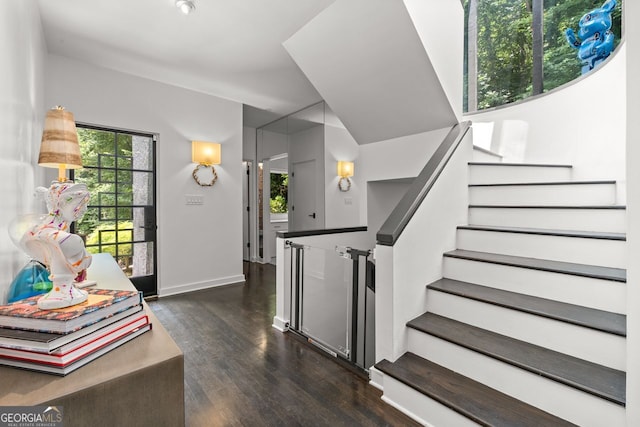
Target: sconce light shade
[205,153]
[59,147]
[345,169]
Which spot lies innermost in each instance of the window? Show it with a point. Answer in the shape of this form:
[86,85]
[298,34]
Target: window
[279,192]
[517,48]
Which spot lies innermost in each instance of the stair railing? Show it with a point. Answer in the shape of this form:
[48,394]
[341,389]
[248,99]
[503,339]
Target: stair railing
[412,240]
[408,205]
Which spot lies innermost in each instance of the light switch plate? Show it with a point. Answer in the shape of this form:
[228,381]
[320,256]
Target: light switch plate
[194,199]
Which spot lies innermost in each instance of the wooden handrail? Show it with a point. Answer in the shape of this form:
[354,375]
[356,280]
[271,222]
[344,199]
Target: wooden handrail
[408,205]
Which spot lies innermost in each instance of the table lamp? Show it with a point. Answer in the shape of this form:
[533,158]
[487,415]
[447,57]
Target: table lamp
[50,240]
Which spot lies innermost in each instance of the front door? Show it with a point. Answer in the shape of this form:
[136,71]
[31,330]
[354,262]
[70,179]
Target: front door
[119,170]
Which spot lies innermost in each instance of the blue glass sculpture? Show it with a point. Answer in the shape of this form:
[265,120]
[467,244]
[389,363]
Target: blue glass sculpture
[32,280]
[596,36]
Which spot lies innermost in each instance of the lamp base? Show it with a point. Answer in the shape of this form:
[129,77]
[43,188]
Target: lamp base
[61,296]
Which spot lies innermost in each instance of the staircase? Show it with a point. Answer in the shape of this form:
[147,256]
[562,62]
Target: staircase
[527,325]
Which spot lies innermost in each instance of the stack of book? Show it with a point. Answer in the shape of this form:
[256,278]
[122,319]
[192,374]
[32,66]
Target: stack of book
[60,341]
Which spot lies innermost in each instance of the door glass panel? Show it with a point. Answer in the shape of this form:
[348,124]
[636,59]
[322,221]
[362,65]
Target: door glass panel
[143,183]
[142,153]
[326,303]
[120,218]
[106,161]
[143,259]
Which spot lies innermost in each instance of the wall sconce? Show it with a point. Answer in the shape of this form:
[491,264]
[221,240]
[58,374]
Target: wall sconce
[59,146]
[345,170]
[206,154]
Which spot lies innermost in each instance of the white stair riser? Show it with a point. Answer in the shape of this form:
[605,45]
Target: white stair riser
[605,220]
[558,399]
[376,378]
[544,195]
[588,292]
[584,343]
[602,252]
[421,407]
[482,156]
[488,174]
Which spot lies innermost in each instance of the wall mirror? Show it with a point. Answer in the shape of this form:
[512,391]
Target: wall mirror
[290,153]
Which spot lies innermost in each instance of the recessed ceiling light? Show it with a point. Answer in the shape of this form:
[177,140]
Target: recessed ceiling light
[185,6]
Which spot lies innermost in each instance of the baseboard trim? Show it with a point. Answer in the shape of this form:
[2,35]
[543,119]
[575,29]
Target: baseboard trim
[405,411]
[198,286]
[280,324]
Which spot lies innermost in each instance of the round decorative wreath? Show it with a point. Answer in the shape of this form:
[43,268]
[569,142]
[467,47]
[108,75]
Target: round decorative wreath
[205,184]
[344,184]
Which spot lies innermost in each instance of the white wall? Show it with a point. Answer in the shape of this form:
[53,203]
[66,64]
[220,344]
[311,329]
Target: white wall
[395,158]
[248,143]
[582,124]
[632,34]
[441,30]
[22,109]
[342,209]
[198,246]
[382,198]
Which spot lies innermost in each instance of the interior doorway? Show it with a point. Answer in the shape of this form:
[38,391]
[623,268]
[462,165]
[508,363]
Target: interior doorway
[246,208]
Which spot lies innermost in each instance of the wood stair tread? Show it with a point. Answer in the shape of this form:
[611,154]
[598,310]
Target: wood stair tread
[548,232]
[600,320]
[476,401]
[601,381]
[544,183]
[592,271]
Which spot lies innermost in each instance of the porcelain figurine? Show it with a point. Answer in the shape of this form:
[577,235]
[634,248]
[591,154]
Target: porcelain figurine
[50,242]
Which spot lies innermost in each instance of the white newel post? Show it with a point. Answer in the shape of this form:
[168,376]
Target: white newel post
[281,319]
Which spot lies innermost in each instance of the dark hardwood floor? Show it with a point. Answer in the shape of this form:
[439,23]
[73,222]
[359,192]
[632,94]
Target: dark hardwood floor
[239,371]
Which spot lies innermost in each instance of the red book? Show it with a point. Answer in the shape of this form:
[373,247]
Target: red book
[100,304]
[79,349]
[44,342]
[65,368]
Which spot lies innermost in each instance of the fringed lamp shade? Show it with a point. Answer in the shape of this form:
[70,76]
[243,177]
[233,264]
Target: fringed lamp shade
[59,147]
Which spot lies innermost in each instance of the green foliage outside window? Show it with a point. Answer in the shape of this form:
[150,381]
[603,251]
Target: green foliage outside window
[105,235]
[279,183]
[104,149]
[504,47]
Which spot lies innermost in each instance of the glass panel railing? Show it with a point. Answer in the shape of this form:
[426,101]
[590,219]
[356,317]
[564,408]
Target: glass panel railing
[326,299]
[332,300]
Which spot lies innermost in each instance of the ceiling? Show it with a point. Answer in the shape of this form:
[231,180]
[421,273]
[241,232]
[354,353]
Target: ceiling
[227,48]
